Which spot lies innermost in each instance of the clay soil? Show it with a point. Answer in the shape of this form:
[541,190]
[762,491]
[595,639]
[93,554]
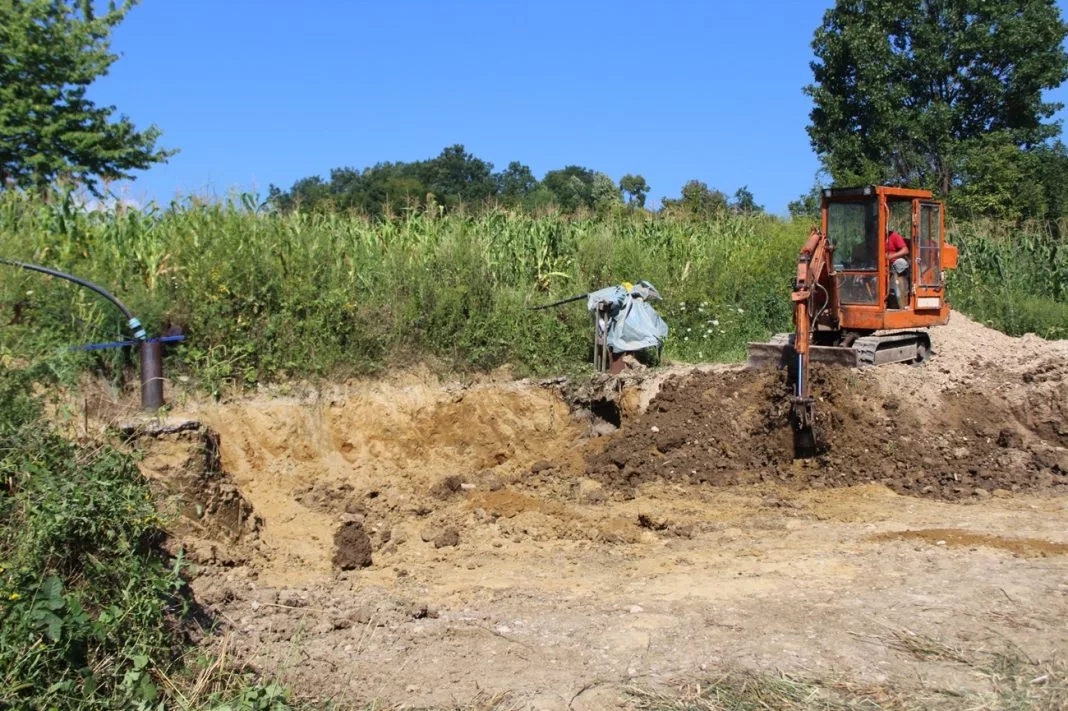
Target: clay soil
[556,545]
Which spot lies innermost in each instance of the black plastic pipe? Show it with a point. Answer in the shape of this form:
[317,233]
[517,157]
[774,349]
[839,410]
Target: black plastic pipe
[568,300]
[151,351]
[132,321]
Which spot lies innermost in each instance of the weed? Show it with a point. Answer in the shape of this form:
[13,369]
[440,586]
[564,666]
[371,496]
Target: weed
[90,610]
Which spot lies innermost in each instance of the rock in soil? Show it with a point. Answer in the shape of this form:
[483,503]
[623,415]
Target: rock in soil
[352,547]
[449,537]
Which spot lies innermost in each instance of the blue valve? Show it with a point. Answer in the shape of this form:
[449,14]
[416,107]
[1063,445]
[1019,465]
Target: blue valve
[138,331]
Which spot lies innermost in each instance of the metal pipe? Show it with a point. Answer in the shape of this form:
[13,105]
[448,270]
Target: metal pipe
[151,353]
[598,353]
[151,375]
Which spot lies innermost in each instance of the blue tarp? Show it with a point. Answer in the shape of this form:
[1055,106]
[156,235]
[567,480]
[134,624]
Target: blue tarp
[632,323]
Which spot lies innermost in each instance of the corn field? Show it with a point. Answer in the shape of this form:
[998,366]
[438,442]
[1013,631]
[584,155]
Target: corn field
[1014,278]
[262,296]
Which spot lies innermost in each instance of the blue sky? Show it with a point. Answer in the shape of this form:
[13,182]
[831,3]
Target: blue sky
[265,92]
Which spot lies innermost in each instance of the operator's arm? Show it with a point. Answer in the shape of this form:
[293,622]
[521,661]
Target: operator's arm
[901,251]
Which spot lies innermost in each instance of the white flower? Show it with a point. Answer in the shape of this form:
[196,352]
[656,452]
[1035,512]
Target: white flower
[715,322]
[741,310]
[688,330]
[29,293]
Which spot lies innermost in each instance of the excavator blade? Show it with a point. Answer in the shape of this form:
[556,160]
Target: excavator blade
[778,355]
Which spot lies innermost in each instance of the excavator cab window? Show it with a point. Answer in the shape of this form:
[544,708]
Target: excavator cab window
[928,254]
[852,227]
[899,219]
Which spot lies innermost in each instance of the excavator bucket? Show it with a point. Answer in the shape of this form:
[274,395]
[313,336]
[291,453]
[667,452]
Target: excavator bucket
[780,355]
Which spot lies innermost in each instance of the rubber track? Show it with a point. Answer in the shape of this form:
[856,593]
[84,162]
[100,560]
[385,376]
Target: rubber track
[866,346]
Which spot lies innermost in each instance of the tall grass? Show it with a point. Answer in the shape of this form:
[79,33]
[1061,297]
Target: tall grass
[261,295]
[1013,278]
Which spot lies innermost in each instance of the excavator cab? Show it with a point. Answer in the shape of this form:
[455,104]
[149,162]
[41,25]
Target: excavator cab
[873,294]
[852,304]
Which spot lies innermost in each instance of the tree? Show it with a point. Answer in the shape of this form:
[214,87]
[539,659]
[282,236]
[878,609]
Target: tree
[809,205]
[905,90]
[1051,172]
[51,51]
[571,186]
[635,187]
[745,202]
[698,200]
[515,183]
[540,198]
[605,193]
[995,180]
[458,176]
[311,193]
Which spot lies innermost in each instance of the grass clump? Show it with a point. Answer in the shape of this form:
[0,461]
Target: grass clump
[90,610]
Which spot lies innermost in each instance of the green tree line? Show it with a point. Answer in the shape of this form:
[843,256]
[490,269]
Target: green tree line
[457,177]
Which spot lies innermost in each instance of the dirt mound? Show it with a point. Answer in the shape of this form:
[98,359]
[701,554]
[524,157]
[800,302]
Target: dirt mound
[733,428]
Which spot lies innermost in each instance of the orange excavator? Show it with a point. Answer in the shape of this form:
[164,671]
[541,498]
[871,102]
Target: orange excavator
[853,304]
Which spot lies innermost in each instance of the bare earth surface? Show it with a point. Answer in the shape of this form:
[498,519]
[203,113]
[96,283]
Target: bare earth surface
[427,545]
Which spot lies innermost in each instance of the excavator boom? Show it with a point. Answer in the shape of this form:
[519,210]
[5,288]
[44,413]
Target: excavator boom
[813,265]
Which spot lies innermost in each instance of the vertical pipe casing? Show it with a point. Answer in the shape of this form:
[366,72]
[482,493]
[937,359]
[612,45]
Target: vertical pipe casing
[151,375]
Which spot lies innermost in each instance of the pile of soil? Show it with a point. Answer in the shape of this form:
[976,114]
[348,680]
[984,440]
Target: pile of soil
[733,428]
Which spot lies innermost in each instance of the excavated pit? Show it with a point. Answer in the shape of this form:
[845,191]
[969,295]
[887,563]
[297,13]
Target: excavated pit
[406,502]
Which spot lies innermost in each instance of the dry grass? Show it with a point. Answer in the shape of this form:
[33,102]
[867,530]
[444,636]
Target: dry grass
[925,648]
[1015,682]
[745,691]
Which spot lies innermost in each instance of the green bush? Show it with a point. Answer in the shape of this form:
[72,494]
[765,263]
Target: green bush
[89,609]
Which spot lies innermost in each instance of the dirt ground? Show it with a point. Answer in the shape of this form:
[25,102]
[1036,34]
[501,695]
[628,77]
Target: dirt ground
[425,544]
